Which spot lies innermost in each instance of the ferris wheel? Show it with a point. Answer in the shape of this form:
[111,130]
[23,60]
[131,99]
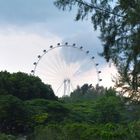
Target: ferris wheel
[65,67]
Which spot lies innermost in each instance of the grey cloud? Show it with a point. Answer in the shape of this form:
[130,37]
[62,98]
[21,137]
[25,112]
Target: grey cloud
[27,11]
[38,16]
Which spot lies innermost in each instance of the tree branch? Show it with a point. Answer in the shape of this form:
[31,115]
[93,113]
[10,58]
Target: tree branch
[97,8]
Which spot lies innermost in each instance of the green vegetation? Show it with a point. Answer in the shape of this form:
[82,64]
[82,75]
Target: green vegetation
[84,131]
[24,86]
[13,115]
[89,113]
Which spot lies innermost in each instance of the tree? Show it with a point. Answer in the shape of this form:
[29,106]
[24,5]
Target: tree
[13,115]
[87,92]
[44,111]
[119,23]
[109,109]
[24,86]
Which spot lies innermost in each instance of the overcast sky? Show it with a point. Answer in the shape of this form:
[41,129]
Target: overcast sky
[29,26]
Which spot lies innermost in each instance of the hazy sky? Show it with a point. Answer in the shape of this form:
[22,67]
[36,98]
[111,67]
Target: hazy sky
[29,26]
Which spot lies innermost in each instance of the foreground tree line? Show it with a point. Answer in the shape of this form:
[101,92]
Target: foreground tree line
[29,108]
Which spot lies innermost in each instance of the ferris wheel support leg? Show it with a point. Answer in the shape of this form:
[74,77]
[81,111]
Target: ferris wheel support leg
[66,87]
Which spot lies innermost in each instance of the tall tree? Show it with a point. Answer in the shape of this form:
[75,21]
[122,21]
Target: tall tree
[119,23]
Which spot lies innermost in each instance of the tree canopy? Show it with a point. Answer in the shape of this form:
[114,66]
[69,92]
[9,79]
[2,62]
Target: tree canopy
[119,23]
[87,91]
[24,86]
[93,116]
[13,116]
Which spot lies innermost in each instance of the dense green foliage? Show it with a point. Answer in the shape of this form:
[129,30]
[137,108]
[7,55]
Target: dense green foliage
[87,92]
[6,137]
[44,111]
[13,115]
[89,113]
[84,131]
[24,86]
[104,117]
[119,23]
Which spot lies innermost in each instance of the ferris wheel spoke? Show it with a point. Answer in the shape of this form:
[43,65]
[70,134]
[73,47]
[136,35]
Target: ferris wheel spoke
[58,62]
[87,74]
[43,74]
[50,79]
[76,54]
[81,67]
[48,66]
[65,66]
[71,58]
[68,61]
[83,60]
[47,70]
[85,66]
[48,74]
[54,63]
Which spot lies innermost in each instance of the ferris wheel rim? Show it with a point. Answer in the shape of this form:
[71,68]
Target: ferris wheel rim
[66,45]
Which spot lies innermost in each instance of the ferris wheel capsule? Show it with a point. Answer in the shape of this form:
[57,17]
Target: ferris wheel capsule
[74,44]
[32,71]
[34,63]
[99,71]
[39,56]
